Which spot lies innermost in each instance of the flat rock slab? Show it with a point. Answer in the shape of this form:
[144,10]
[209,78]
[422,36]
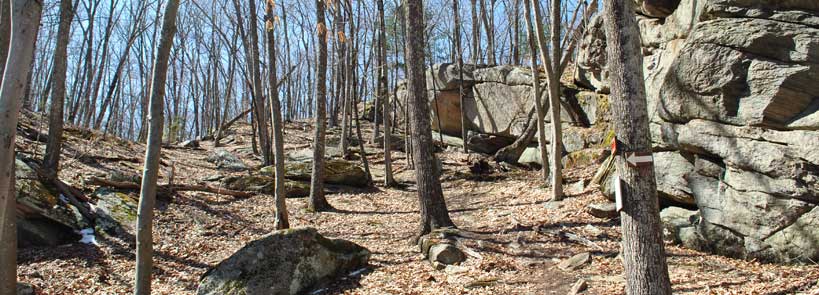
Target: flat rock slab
[575,262]
[606,210]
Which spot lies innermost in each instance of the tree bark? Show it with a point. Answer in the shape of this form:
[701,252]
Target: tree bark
[476,36]
[261,120]
[318,202]
[51,160]
[434,212]
[281,221]
[147,195]
[643,254]
[25,21]
[5,33]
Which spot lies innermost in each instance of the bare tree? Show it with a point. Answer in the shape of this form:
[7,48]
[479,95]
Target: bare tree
[147,196]
[384,94]
[51,159]
[276,115]
[460,54]
[434,212]
[318,202]
[261,119]
[643,254]
[25,20]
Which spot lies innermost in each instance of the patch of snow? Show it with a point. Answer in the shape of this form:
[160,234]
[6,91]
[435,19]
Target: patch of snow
[319,291]
[357,272]
[88,237]
[63,198]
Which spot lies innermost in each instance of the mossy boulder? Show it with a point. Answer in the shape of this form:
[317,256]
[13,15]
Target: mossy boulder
[43,218]
[336,171]
[267,185]
[291,261]
[116,212]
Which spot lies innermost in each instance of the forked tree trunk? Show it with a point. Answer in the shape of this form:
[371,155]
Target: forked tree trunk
[281,221]
[553,69]
[147,194]
[25,20]
[51,160]
[434,212]
[318,202]
[643,254]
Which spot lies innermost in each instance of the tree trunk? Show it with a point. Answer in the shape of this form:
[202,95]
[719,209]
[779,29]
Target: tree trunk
[643,254]
[434,212]
[541,114]
[51,159]
[385,96]
[261,119]
[476,36]
[5,33]
[553,78]
[461,66]
[281,221]
[318,202]
[25,21]
[147,195]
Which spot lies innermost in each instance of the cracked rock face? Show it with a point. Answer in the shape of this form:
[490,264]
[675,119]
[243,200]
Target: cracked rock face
[734,104]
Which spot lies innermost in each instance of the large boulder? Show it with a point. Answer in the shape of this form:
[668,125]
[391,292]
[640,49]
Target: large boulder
[497,99]
[734,111]
[267,185]
[226,160]
[116,212]
[292,261]
[336,171]
[43,218]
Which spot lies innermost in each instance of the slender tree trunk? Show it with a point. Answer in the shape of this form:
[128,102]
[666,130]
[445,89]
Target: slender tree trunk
[344,143]
[434,212]
[486,17]
[25,20]
[147,196]
[385,96]
[643,254]
[551,63]
[476,36]
[282,221]
[541,113]
[51,159]
[459,52]
[318,202]
[5,33]
[261,119]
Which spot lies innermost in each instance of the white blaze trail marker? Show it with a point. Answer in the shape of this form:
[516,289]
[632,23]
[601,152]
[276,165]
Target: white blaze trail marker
[639,159]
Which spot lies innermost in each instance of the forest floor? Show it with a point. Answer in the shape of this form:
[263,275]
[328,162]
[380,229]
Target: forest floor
[519,236]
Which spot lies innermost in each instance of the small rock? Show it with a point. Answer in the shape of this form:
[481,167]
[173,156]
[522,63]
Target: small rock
[226,160]
[580,286]
[607,210]
[446,254]
[575,262]
[593,230]
[192,143]
[553,205]
[25,289]
[454,269]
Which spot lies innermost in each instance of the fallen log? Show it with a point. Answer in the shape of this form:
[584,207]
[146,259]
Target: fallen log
[169,188]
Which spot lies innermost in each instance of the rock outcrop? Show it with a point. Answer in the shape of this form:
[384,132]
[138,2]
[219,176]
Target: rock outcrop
[498,99]
[734,108]
[292,261]
[43,218]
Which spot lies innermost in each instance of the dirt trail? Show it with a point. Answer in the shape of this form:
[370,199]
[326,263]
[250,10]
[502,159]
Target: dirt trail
[518,236]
